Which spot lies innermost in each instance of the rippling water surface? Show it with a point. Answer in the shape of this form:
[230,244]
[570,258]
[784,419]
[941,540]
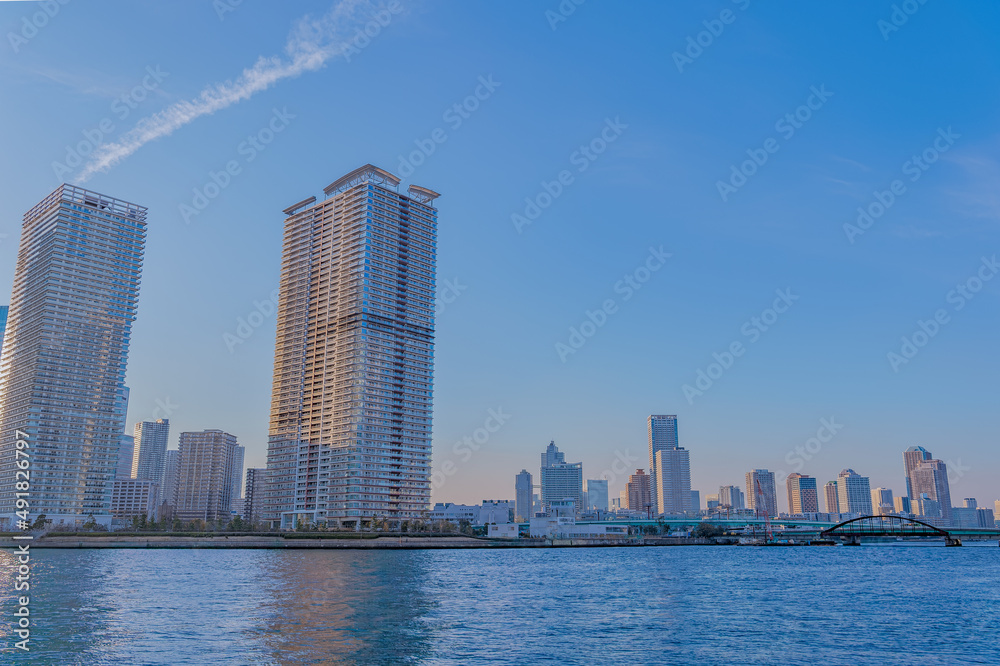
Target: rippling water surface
[705,605]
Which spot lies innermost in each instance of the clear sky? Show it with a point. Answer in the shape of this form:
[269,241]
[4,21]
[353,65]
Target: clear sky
[622,125]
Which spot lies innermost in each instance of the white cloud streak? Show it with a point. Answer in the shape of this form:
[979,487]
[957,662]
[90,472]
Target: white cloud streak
[311,44]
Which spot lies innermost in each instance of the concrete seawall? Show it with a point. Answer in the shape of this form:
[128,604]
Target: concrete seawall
[367,543]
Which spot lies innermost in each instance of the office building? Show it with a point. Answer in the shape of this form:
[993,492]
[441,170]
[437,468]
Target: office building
[350,425]
[523,505]
[489,512]
[637,491]
[912,457]
[882,502]
[986,517]
[204,488]
[970,503]
[902,505]
[695,500]
[238,456]
[662,433]
[168,487]
[712,502]
[65,350]
[803,496]
[253,493]
[927,508]
[597,494]
[832,497]
[150,446]
[930,477]
[673,471]
[134,497]
[731,497]
[125,452]
[761,481]
[560,480]
[854,493]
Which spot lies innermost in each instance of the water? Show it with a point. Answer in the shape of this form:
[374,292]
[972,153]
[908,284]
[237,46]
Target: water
[706,605]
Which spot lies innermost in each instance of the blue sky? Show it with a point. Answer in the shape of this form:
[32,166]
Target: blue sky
[671,133]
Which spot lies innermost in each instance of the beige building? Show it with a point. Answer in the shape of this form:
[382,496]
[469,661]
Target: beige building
[134,497]
[204,483]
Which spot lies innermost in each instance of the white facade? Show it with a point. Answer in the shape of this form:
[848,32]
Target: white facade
[350,426]
[150,445]
[854,493]
[65,350]
[559,479]
[522,496]
[498,512]
[673,481]
[661,431]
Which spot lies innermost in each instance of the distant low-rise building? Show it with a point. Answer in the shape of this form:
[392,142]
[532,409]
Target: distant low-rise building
[490,511]
[882,502]
[134,497]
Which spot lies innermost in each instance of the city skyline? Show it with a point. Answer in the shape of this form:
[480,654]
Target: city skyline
[824,359]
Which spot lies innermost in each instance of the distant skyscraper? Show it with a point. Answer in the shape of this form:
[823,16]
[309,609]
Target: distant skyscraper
[205,475]
[597,494]
[238,457]
[124,469]
[3,323]
[695,500]
[637,492]
[832,497]
[970,503]
[912,457]
[65,350]
[673,471]
[882,502]
[712,502]
[253,493]
[560,480]
[766,480]
[802,494]
[168,487]
[662,432]
[350,428]
[902,505]
[854,493]
[930,477]
[731,497]
[150,445]
[522,497]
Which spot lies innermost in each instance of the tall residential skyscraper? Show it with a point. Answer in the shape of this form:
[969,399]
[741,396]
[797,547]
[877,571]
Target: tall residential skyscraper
[912,457]
[832,497]
[930,477]
[802,494]
[150,439]
[205,475]
[731,497]
[637,491]
[882,502]
[597,494]
[662,432]
[766,480]
[350,429]
[75,295]
[4,309]
[522,496]
[238,457]
[168,487]
[559,479]
[673,474]
[854,493]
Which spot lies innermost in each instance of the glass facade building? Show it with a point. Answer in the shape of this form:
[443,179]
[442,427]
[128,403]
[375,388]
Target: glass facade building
[75,295]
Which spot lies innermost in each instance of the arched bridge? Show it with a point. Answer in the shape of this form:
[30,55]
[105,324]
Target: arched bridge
[887,526]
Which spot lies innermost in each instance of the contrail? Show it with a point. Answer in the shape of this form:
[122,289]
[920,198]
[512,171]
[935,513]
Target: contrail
[311,44]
